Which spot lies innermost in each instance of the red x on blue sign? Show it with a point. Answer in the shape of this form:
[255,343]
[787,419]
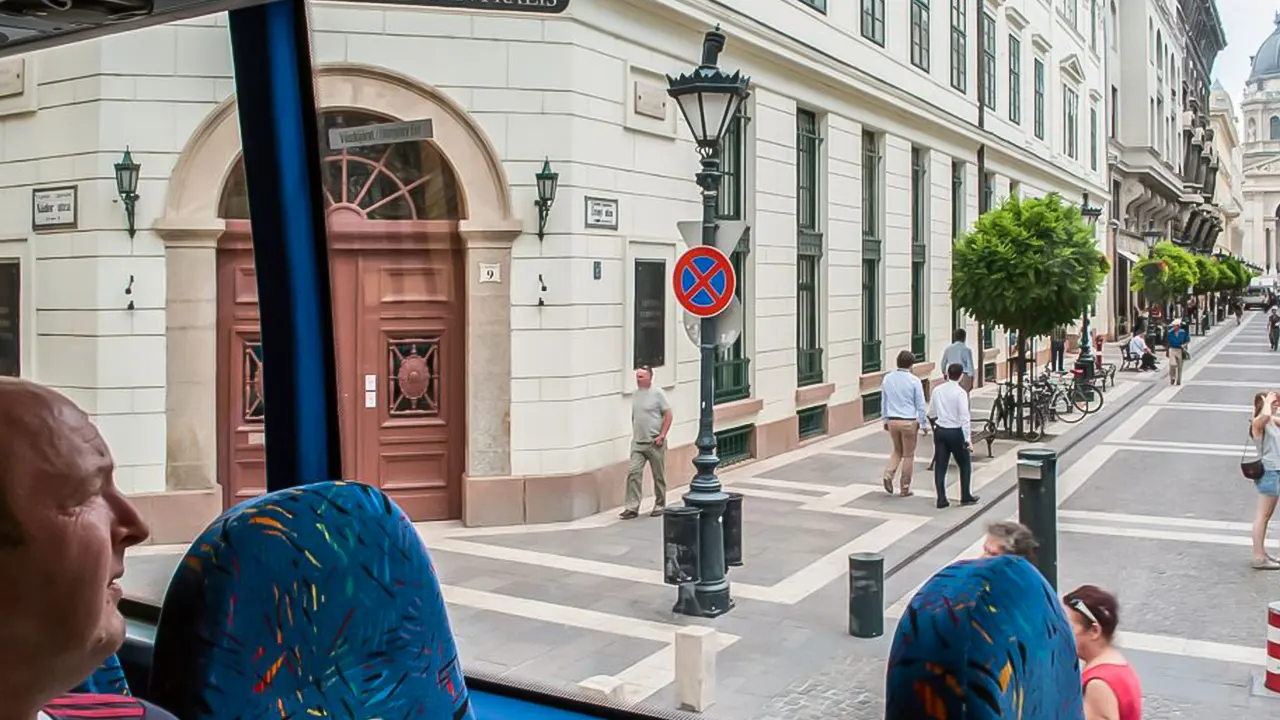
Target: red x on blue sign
[704,281]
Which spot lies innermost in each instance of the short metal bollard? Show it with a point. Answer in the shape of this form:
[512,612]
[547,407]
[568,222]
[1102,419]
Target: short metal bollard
[866,595]
[1038,506]
[733,531]
[681,543]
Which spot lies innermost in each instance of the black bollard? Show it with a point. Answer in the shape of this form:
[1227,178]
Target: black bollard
[1038,506]
[733,531]
[866,595]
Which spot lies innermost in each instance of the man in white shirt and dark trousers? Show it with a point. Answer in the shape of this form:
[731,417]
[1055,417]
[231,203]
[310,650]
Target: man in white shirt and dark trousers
[952,436]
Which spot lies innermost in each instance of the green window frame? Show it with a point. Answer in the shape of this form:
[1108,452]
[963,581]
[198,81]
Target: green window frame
[1093,139]
[1070,123]
[988,61]
[920,34]
[1038,121]
[957,227]
[1015,80]
[808,250]
[731,376]
[959,47]
[873,21]
[919,250]
[871,249]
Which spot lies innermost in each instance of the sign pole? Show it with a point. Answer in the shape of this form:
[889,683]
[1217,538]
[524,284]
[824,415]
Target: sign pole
[711,593]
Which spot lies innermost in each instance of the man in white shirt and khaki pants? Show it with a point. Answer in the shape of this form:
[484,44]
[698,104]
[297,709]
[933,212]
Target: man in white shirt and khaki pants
[952,436]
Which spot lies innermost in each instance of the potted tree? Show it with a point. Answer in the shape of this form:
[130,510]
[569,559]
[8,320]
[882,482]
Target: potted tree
[1030,265]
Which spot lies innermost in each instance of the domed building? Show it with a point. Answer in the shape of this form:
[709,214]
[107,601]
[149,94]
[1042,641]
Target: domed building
[1260,111]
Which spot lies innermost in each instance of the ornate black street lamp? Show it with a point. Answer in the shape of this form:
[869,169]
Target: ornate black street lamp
[1085,363]
[708,99]
[127,187]
[547,182]
[1151,236]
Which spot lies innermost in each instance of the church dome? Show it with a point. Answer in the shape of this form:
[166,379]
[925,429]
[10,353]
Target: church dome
[1266,63]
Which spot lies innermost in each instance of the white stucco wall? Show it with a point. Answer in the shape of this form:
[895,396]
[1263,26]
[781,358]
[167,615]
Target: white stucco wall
[554,87]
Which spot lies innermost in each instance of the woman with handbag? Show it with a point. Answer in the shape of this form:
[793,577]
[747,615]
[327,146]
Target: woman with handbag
[1264,472]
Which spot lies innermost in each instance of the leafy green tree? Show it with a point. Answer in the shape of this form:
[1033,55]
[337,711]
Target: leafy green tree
[1030,265]
[1206,274]
[1165,273]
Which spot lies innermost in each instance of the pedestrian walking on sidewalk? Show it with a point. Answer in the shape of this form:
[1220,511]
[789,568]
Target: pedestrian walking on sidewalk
[952,437]
[903,408]
[1178,340]
[1058,348]
[650,421]
[1112,690]
[1265,431]
[958,352]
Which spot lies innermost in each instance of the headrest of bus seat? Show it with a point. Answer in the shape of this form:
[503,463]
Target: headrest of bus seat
[317,601]
[984,639]
[108,679]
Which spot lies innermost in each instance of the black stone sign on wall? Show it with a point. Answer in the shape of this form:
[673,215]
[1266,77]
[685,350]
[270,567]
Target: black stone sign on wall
[649,326]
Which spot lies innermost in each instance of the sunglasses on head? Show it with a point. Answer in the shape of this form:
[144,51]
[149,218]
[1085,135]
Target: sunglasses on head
[1079,606]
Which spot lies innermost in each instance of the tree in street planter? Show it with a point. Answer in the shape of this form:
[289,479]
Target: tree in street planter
[1031,265]
[1164,274]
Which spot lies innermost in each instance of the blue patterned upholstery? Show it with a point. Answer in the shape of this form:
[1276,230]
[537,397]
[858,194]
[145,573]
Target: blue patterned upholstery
[318,601]
[106,680]
[984,639]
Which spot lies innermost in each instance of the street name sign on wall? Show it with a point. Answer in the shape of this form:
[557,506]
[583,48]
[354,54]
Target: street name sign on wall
[381,134]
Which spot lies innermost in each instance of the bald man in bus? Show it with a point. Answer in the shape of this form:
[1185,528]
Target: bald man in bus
[64,529]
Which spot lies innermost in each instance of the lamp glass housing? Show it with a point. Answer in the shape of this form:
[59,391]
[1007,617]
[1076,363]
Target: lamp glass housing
[547,183]
[127,175]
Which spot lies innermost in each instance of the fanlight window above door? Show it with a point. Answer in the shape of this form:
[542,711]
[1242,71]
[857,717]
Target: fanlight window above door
[400,181]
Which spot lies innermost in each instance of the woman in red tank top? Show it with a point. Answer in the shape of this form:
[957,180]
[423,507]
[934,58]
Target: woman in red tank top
[1111,687]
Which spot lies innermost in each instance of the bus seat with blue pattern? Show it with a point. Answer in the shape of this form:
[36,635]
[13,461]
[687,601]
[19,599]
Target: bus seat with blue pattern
[316,601]
[108,679]
[984,640]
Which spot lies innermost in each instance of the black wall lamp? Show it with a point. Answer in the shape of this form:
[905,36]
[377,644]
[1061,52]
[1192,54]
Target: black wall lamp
[127,186]
[1090,213]
[547,182]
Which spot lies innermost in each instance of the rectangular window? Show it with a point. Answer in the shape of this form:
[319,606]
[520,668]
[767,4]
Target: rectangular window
[957,225]
[1015,80]
[1093,24]
[10,319]
[649,324]
[920,34]
[959,50]
[988,61]
[1093,139]
[1115,111]
[731,377]
[819,5]
[871,240]
[1071,12]
[1039,99]
[1070,122]
[808,250]
[919,250]
[988,196]
[873,21]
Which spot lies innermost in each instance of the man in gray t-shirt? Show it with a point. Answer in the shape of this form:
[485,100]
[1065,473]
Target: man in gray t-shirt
[650,421]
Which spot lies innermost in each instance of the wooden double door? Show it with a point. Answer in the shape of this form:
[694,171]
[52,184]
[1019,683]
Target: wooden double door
[398,302]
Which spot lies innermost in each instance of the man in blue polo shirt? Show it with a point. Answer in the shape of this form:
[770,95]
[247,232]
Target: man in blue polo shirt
[1178,341]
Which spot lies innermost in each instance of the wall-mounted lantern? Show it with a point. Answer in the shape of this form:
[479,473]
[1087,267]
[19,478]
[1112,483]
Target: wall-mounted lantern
[1151,236]
[127,186]
[1089,212]
[547,182]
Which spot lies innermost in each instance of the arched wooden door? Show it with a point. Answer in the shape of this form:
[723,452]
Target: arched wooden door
[398,295]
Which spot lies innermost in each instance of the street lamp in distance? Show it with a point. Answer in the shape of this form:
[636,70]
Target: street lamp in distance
[1085,362]
[708,99]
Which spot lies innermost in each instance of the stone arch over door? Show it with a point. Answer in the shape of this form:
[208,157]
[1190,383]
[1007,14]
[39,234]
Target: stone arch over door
[191,226]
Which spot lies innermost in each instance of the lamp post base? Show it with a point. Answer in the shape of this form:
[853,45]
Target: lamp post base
[711,594]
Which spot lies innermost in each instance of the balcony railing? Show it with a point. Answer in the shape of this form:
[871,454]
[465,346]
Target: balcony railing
[809,366]
[732,381]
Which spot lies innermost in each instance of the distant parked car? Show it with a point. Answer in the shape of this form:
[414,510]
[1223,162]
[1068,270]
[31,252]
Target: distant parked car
[1255,298]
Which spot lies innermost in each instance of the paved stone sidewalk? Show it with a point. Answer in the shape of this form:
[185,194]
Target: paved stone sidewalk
[561,603]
